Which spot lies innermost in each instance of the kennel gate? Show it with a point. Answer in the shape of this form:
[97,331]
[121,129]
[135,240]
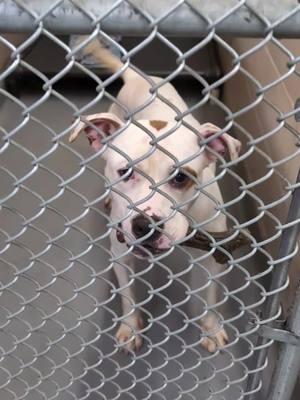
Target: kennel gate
[59,309]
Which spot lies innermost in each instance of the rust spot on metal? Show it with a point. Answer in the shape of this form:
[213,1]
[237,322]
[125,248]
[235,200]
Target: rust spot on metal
[157,124]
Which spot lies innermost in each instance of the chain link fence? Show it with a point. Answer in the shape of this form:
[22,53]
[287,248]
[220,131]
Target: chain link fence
[63,285]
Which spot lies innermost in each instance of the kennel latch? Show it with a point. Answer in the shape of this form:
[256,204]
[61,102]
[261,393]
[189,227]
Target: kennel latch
[279,334]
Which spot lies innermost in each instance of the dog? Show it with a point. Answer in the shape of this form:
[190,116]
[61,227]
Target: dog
[154,163]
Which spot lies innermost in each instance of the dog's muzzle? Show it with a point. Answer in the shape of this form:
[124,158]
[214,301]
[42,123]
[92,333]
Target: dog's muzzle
[140,228]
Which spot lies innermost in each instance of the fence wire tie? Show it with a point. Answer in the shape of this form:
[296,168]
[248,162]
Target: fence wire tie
[277,332]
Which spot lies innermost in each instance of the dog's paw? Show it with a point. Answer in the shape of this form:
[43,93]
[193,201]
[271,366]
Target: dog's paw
[217,341]
[127,336]
[215,336]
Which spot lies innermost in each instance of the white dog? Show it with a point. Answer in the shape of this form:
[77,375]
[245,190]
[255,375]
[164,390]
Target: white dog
[152,172]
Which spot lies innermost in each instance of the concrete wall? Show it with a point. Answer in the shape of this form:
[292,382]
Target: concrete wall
[266,65]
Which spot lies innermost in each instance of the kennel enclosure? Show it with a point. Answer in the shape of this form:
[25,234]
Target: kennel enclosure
[236,64]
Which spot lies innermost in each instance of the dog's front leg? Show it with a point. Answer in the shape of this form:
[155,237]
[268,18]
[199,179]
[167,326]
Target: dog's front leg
[131,321]
[215,335]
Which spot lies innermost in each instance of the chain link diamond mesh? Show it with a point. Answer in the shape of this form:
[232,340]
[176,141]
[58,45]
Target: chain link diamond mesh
[60,301]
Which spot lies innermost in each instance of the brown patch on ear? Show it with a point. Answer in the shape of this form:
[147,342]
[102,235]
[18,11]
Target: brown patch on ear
[157,124]
[107,205]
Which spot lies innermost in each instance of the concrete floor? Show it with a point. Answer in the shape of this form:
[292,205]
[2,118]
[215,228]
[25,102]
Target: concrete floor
[57,308]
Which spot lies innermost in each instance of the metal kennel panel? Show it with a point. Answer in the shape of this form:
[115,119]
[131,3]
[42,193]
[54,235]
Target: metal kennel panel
[60,303]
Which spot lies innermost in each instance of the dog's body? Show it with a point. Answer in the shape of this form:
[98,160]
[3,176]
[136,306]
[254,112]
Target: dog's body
[153,177]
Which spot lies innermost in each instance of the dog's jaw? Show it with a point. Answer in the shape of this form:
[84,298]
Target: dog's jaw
[160,246]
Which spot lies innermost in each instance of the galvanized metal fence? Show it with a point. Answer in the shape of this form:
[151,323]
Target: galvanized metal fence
[60,302]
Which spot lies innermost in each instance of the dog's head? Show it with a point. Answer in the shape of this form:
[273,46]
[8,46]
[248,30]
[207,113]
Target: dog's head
[153,174]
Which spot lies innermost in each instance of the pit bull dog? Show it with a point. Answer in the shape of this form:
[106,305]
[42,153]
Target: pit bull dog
[154,162]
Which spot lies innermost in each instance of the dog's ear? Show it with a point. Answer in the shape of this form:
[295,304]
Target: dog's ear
[96,127]
[223,144]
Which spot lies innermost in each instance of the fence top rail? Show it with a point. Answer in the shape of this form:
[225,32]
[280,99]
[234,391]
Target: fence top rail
[249,18]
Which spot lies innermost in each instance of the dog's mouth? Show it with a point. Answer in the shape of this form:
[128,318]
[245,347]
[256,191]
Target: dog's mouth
[120,234]
[144,248]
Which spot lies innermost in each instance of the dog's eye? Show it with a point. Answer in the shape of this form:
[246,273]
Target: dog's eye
[180,180]
[125,171]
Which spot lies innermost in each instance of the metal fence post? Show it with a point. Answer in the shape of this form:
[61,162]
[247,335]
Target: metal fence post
[288,364]
[279,277]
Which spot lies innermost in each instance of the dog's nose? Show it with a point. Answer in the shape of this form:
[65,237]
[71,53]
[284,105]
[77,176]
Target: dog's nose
[140,227]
